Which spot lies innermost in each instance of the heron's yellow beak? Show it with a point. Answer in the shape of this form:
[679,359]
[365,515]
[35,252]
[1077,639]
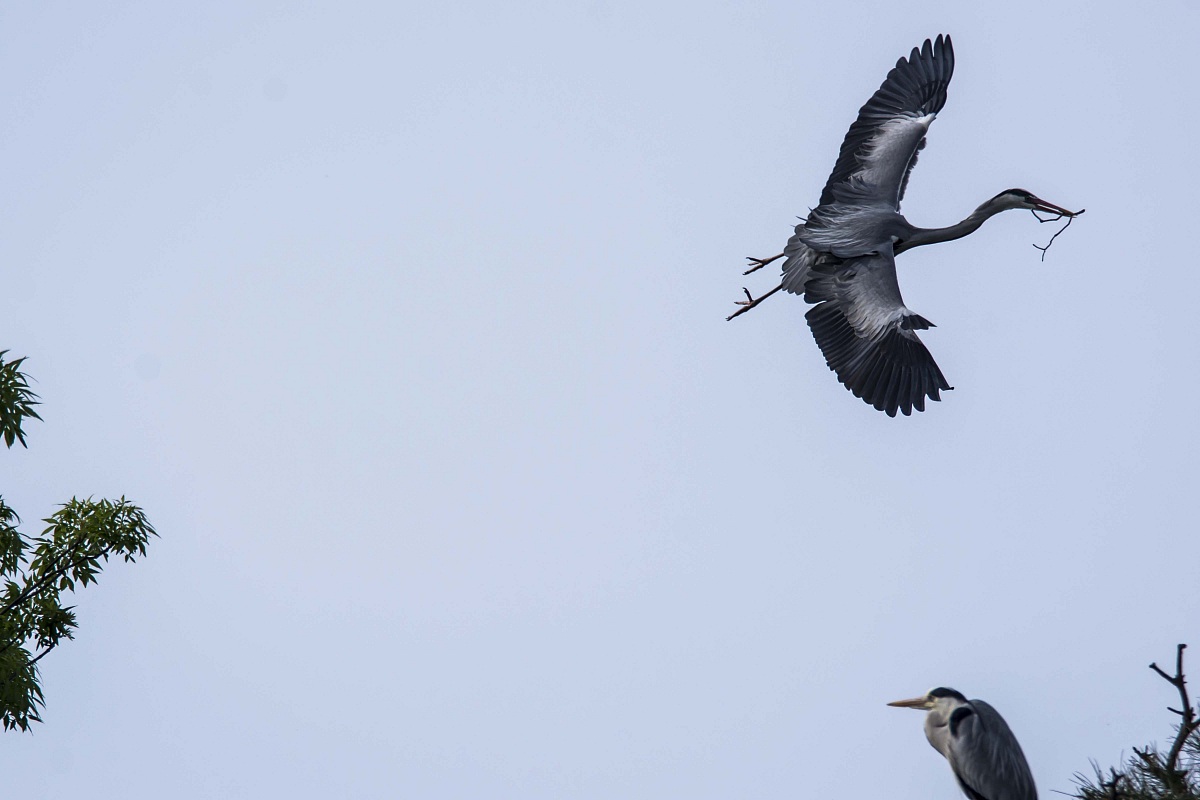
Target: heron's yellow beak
[922,703]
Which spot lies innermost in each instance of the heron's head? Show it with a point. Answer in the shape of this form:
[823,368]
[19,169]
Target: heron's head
[934,698]
[1019,198]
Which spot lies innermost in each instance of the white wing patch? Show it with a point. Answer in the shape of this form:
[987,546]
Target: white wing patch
[885,157]
[867,334]
[871,298]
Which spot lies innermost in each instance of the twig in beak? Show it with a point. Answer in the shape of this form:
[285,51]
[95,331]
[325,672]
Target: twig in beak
[1055,218]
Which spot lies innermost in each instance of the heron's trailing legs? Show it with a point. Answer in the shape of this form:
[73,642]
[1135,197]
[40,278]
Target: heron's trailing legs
[750,302]
[759,263]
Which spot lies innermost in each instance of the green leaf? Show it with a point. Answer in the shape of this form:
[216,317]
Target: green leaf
[16,401]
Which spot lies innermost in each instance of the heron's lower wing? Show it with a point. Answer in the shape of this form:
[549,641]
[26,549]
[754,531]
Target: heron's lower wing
[985,755]
[798,263]
[880,149]
[868,336]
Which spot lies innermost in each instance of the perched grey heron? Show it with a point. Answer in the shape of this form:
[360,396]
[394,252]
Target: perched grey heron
[842,257]
[975,739]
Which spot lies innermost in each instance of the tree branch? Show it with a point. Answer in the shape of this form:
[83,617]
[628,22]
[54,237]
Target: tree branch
[1070,219]
[42,654]
[51,577]
[1189,724]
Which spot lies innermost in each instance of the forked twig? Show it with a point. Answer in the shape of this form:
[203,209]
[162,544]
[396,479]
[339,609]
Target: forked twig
[1188,723]
[1055,218]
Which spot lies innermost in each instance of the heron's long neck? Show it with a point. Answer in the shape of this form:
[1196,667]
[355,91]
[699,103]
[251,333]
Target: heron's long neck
[923,236]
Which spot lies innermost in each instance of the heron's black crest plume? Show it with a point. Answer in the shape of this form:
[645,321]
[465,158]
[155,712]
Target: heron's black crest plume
[957,716]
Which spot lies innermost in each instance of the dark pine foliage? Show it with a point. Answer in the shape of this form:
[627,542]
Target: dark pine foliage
[1150,773]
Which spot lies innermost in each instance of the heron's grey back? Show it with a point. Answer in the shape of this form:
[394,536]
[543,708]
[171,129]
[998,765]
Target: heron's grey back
[985,755]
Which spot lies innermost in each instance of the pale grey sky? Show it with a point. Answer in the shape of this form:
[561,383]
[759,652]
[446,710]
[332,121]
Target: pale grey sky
[406,327]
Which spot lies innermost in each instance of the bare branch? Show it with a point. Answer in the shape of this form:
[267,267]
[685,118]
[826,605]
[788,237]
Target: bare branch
[1164,675]
[1070,219]
[1189,723]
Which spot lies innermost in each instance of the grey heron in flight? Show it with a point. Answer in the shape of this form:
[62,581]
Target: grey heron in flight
[975,739]
[842,257]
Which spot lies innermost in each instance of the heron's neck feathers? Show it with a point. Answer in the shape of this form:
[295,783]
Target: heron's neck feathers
[923,236]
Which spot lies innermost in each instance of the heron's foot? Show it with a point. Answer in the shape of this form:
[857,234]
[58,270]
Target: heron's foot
[758,263]
[750,301]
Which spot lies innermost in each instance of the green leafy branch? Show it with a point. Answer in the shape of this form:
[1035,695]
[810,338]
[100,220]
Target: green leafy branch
[79,538]
[16,401]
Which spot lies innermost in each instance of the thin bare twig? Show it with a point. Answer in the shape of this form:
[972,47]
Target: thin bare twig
[1055,218]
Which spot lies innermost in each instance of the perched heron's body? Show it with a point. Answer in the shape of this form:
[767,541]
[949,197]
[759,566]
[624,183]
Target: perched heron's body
[842,257]
[983,753]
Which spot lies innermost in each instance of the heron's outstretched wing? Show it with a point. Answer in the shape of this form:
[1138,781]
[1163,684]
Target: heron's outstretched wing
[881,147]
[985,755]
[868,336]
